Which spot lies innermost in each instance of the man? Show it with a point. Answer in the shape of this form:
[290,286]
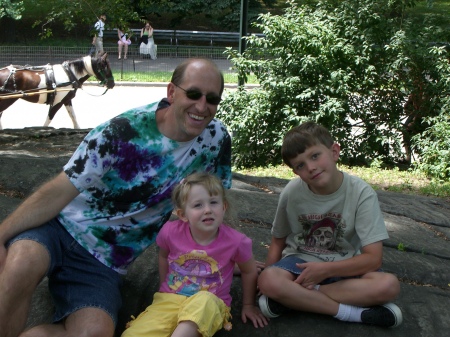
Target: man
[97,41]
[83,228]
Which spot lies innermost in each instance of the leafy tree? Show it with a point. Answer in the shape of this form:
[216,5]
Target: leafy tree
[72,13]
[123,13]
[224,13]
[12,9]
[433,144]
[348,65]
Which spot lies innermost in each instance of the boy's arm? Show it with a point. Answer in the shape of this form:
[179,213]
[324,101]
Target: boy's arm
[163,265]
[249,275]
[276,248]
[369,260]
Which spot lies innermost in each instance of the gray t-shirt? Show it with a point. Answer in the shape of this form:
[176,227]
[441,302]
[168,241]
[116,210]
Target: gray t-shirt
[328,227]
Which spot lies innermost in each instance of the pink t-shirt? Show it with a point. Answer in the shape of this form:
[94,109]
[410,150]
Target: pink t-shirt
[193,267]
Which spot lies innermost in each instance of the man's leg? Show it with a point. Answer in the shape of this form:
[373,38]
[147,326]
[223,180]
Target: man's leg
[25,265]
[87,322]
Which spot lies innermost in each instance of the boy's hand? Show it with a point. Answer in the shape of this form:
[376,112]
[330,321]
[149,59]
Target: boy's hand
[313,273]
[253,313]
[259,266]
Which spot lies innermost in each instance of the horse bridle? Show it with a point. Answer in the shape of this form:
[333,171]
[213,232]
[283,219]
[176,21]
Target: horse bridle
[103,74]
[76,83]
[101,71]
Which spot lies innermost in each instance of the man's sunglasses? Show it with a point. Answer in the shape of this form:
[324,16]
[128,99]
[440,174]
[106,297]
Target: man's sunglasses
[195,95]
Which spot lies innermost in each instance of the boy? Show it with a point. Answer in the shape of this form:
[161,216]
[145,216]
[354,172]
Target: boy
[326,248]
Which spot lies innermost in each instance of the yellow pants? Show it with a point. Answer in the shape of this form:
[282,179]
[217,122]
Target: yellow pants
[161,318]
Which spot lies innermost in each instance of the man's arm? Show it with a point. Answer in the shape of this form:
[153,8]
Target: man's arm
[40,207]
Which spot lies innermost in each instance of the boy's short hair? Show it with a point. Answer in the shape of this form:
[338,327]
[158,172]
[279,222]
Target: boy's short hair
[301,137]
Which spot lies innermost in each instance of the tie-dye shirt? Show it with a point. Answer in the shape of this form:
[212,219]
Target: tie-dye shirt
[125,170]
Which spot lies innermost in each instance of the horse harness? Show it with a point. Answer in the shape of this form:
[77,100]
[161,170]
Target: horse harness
[50,81]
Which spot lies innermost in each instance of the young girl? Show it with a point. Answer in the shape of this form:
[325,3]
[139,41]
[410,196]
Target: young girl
[196,261]
[124,42]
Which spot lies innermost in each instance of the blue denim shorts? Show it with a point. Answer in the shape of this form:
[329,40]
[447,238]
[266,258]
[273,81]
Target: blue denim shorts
[289,263]
[76,279]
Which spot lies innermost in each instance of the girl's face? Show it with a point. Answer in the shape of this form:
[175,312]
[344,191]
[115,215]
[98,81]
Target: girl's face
[203,212]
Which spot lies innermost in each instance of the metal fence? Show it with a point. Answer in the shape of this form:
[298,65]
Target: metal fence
[168,58]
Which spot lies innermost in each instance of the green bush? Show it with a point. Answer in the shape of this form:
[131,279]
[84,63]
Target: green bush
[350,66]
[434,146]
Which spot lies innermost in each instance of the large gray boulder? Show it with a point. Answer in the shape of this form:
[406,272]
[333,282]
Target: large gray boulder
[418,249]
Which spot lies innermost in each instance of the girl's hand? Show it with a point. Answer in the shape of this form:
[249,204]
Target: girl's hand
[254,314]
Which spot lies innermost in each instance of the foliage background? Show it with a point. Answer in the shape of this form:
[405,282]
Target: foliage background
[71,20]
[370,73]
[374,72]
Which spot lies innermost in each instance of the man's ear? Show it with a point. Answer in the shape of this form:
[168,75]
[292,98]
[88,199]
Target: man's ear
[170,92]
[181,215]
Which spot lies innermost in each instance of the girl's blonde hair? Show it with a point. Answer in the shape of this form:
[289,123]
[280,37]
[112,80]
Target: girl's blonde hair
[210,182]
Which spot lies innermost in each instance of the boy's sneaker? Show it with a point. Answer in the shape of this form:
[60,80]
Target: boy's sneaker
[270,308]
[387,315]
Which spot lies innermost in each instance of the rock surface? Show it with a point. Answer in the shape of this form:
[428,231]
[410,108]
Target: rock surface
[418,250]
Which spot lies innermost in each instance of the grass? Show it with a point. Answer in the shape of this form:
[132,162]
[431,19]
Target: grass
[393,180]
[162,76]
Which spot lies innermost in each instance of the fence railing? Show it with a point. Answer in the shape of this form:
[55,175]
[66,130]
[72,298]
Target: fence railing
[184,37]
[168,57]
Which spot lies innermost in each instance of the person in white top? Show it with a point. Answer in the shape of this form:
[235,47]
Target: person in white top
[123,43]
[97,41]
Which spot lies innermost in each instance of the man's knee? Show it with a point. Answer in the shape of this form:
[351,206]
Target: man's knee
[89,322]
[26,261]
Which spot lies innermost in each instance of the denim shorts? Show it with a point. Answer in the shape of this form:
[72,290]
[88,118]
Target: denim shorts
[76,279]
[289,263]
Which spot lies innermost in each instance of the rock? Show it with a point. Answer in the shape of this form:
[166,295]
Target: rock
[418,249]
